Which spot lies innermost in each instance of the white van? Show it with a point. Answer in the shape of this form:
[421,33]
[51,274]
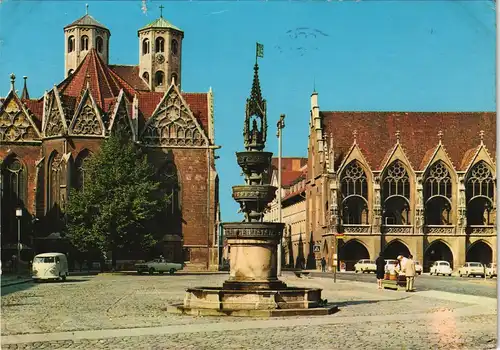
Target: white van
[50,266]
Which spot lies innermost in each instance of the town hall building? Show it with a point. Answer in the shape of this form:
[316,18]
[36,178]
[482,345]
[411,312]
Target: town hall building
[45,142]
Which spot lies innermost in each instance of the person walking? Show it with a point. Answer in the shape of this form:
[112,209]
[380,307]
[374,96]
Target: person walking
[323,264]
[409,270]
[380,263]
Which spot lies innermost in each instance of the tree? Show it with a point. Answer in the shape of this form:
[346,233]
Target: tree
[119,199]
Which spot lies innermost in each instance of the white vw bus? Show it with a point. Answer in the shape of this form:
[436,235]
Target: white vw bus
[49,266]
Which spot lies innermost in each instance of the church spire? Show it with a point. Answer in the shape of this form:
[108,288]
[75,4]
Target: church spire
[25,95]
[253,133]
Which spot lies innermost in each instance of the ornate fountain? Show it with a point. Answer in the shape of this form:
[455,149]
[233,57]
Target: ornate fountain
[253,288]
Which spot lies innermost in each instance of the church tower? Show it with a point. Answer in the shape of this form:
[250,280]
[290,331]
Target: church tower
[80,37]
[160,53]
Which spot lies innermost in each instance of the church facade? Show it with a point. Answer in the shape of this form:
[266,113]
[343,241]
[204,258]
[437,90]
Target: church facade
[401,183]
[45,142]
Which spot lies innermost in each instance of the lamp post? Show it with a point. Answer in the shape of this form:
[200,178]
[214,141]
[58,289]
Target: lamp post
[281,126]
[19,214]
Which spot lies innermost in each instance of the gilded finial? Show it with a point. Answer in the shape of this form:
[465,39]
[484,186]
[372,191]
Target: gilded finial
[397,136]
[12,81]
[481,135]
[440,135]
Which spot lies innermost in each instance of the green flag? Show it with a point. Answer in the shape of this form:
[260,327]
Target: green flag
[260,50]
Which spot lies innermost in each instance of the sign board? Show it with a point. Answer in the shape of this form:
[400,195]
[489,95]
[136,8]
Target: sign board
[316,248]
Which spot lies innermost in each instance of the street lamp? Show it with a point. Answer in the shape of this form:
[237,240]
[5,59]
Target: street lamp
[19,214]
[281,126]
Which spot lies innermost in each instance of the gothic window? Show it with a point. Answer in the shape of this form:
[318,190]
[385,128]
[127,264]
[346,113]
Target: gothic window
[396,195]
[71,43]
[159,78]
[84,43]
[80,174]
[354,190]
[171,185]
[70,72]
[437,195]
[145,76]
[174,78]
[54,182]
[145,46]
[99,44]
[160,44]
[14,183]
[174,47]
[480,195]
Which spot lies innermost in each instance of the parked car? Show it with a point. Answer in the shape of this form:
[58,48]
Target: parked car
[365,265]
[158,265]
[491,270]
[418,268]
[441,267]
[390,265]
[49,266]
[471,269]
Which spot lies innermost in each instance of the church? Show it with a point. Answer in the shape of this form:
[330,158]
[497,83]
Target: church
[45,142]
[401,182]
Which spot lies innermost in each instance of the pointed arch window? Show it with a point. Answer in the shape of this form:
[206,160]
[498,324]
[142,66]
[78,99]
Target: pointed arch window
[174,47]
[84,43]
[15,183]
[54,182]
[81,166]
[160,44]
[145,46]
[437,195]
[354,191]
[99,43]
[171,184]
[145,76]
[480,195]
[159,78]
[71,43]
[396,195]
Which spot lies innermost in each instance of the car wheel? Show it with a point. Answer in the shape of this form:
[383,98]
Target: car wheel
[356,271]
[63,278]
[491,276]
[449,275]
[160,272]
[139,272]
[171,271]
[151,270]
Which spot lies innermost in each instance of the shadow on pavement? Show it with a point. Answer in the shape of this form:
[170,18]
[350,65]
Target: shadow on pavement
[361,302]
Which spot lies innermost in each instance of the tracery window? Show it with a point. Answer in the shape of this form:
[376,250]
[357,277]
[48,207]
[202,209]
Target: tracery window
[145,46]
[14,182]
[81,175]
[84,43]
[174,47]
[99,43]
[396,195]
[438,194]
[54,181]
[71,43]
[354,190]
[480,195]
[160,44]
[171,185]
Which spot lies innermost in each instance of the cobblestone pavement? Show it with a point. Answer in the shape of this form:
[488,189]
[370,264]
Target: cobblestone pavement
[126,312]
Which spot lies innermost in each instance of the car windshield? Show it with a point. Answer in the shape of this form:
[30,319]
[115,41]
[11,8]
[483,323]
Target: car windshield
[444,264]
[475,264]
[44,259]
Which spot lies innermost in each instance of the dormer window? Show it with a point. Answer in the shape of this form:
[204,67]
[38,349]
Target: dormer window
[84,43]
[160,44]
[99,43]
[71,43]
[174,47]
[159,78]
[145,46]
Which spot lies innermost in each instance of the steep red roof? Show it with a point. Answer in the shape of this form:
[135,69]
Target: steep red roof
[104,83]
[131,75]
[376,134]
[36,108]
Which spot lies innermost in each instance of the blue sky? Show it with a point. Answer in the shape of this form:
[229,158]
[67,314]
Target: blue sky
[366,55]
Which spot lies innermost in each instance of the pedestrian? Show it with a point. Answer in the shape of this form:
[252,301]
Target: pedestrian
[323,264]
[380,263]
[409,270]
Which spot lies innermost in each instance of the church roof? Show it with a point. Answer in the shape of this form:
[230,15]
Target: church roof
[86,20]
[376,134]
[131,75]
[160,23]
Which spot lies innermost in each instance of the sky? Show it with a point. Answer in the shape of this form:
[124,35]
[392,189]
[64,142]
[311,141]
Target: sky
[358,56]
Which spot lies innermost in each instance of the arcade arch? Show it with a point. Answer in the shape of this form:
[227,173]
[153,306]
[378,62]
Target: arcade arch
[351,252]
[437,250]
[479,251]
[395,248]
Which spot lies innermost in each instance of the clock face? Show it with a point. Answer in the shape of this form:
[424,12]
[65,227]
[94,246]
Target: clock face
[160,58]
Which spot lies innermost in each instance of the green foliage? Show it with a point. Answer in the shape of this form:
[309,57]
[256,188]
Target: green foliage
[120,197]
